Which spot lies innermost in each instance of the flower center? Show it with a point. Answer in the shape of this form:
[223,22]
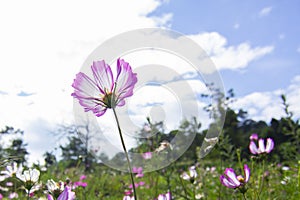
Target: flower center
[109,100]
[241,179]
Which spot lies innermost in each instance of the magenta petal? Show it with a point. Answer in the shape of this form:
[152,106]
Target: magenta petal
[252,147]
[246,173]
[103,76]
[231,176]
[254,136]
[227,183]
[67,194]
[85,91]
[49,197]
[84,86]
[125,81]
[270,145]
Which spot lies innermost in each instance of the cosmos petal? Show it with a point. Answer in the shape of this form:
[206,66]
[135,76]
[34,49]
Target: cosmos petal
[246,173]
[252,147]
[231,176]
[227,183]
[270,145]
[261,146]
[103,76]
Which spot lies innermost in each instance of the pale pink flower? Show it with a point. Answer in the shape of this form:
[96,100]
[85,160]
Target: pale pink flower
[147,155]
[103,91]
[261,146]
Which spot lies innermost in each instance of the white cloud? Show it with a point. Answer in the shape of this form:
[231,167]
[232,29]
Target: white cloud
[43,45]
[229,57]
[298,49]
[268,105]
[265,11]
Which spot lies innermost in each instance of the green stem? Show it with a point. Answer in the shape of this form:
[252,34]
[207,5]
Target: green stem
[238,153]
[244,196]
[194,192]
[183,186]
[126,154]
[262,177]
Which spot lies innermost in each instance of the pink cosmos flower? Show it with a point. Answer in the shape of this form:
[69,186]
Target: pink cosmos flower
[82,177]
[103,91]
[138,171]
[67,194]
[261,146]
[231,180]
[79,184]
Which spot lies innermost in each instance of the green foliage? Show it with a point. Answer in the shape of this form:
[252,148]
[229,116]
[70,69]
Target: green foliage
[18,151]
[75,153]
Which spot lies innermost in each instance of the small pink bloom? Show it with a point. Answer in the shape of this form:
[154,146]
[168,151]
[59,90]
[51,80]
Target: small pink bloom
[9,184]
[261,146]
[147,155]
[80,184]
[82,177]
[135,184]
[138,171]
[254,136]
[141,183]
[128,192]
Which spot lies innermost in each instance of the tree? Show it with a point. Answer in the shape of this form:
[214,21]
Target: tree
[49,158]
[17,150]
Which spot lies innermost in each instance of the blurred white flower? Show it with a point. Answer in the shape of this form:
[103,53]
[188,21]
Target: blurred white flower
[12,170]
[31,175]
[191,175]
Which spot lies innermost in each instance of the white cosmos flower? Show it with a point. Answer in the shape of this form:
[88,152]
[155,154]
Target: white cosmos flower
[31,175]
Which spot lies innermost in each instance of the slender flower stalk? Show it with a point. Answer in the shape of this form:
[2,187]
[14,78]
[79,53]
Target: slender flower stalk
[126,154]
[262,178]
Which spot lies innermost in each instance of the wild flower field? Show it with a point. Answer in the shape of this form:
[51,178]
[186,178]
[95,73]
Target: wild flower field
[253,177]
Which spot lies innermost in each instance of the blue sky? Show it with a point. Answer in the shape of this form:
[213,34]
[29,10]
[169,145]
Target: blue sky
[254,44]
[258,22]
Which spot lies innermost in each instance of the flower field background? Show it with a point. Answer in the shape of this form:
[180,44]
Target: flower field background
[268,151]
